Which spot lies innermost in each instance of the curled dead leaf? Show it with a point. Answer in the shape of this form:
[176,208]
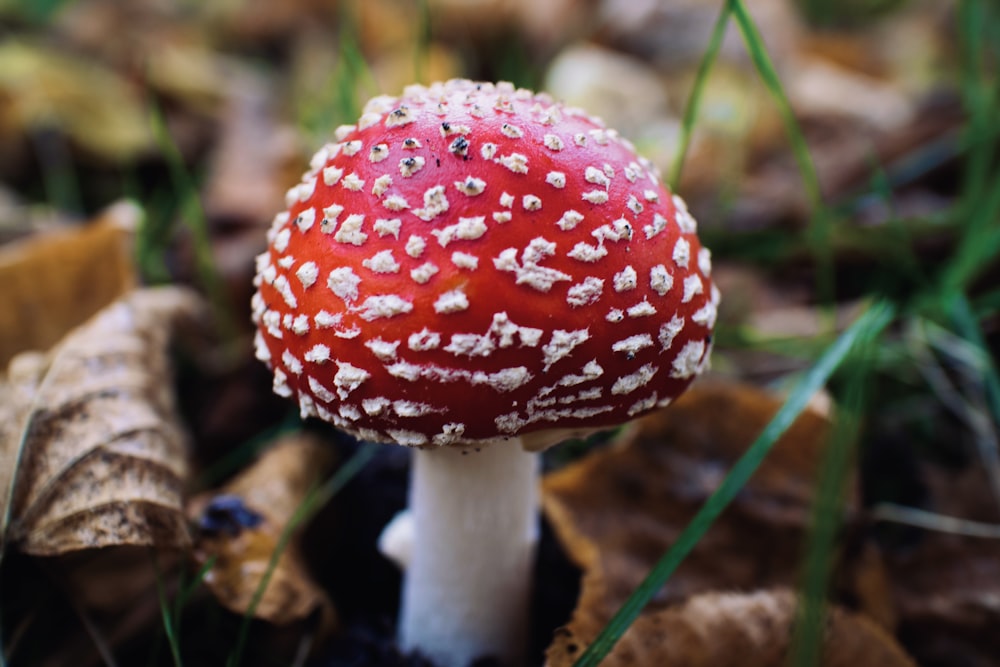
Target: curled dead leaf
[617,510]
[92,453]
[738,630]
[242,526]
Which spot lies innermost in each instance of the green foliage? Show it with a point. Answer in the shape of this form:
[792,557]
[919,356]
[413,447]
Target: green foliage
[35,11]
[351,81]
[836,13]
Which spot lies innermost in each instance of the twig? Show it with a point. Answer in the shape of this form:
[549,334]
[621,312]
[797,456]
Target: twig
[941,523]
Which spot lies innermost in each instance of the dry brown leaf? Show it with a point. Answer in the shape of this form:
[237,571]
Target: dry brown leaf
[91,449]
[56,281]
[618,510]
[945,587]
[738,630]
[254,156]
[242,525]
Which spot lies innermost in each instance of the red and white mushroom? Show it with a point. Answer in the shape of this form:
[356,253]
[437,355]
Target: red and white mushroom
[476,269]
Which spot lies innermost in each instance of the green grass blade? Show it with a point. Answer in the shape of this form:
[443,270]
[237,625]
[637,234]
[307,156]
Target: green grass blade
[313,501]
[769,75]
[901,245]
[194,218]
[422,40]
[187,590]
[979,244]
[59,177]
[867,327]
[241,456]
[40,12]
[979,207]
[820,226]
[168,618]
[978,96]
[988,303]
[694,99]
[339,102]
[965,323]
[807,641]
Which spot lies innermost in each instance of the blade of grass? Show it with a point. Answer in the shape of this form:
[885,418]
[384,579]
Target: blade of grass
[694,99]
[59,178]
[867,327]
[168,618]
[339,102]
[100,643]
[423,40]
[187,589]
[241,455]
[978,96]
[820,225]
[965,323]
[901,246]
[769,75]
[180,600]
[906,170]
[979,206]
[36,11]
[962,391]
[975,394]
[807,640]
[353,66]
[313,501]
[988,303]
[154,233]
[193,217]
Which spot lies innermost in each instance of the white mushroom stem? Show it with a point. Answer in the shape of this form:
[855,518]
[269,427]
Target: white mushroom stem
[467,587]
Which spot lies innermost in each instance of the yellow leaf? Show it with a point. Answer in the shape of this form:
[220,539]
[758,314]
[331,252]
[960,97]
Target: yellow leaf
[43,88]
[242,526]
[55,281]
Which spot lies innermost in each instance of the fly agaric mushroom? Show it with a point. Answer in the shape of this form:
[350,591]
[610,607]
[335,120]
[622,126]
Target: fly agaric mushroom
[476,271]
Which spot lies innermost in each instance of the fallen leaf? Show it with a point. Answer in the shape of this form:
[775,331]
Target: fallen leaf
[242,525]
[94,106]
[57,280]
[738,630]
[617,510]
[252,157]
[91,448]
[946,587]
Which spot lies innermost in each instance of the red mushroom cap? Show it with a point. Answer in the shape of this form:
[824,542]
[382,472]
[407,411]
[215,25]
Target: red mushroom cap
[472,262]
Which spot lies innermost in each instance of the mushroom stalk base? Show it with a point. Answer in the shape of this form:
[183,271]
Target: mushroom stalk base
[467,589]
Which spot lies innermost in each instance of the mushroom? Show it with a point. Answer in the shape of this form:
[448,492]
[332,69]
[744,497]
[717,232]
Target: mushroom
[476,271]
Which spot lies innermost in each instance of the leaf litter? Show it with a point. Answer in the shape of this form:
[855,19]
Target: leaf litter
[240,532]
[938,591]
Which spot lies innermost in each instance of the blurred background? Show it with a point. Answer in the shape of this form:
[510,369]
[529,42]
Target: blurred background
[834,154]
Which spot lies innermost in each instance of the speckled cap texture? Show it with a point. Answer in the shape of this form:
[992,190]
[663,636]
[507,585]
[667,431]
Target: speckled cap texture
[472,262]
